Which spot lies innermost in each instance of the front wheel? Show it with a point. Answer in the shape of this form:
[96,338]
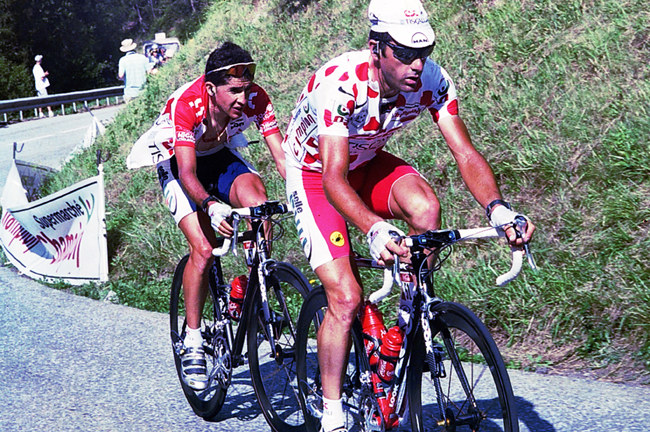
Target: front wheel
[357,387]
[273,368]
[462,383]
[206,403]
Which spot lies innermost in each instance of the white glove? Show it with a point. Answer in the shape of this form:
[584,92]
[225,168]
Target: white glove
[218,212]
[502,216]
[378,236]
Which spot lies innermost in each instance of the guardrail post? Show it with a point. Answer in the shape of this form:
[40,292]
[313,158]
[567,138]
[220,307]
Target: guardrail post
[5,117]
[74,106]
[35,113]
[62,109]
[21,116]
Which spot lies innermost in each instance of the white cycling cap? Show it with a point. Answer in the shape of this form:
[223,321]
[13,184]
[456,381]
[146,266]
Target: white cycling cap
[405,21]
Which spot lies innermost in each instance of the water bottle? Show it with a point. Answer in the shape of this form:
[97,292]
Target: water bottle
[237,293]
[372,323]
[388,356]
[389,353]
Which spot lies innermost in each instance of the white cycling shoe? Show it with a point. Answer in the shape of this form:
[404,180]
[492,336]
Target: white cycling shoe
[193,365]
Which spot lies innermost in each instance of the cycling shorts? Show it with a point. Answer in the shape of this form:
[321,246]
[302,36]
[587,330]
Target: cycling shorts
[322,230]
[216,172]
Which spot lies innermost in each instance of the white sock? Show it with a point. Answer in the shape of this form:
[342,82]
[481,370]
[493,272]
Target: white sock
[332,414]
[193,337]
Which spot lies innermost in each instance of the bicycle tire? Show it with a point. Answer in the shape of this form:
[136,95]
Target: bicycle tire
[206,403]
[356,394]
[274,379]
[468,354]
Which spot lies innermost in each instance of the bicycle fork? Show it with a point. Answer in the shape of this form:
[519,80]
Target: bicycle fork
[271,319]
[434,356]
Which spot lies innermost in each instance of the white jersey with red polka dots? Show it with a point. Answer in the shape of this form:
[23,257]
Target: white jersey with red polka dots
[341,100]
[181,124]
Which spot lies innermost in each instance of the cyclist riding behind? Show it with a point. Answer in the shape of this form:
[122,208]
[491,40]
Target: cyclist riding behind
[193,143]
[338,171]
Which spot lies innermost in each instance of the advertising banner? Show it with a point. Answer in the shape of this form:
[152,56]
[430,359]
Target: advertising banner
[58,237]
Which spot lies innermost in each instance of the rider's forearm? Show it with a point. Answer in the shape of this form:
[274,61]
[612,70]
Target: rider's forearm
[474,169]
[480,180]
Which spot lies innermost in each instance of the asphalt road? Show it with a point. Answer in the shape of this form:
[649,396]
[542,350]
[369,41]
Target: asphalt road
[47,141]
[68,363]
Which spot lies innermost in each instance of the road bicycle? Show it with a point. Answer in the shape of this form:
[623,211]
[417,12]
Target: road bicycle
[268,322]
[449,375]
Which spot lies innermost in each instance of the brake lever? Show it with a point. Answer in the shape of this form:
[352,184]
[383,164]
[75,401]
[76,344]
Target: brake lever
[236,218]
[520,227]
[396,270]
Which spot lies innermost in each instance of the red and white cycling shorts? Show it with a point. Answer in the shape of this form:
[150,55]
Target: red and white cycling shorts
[322,230]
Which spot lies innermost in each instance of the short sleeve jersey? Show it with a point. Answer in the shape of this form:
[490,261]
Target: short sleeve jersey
[187,108]
[341,100]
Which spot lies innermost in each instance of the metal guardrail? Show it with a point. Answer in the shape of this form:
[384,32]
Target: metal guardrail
[24,104]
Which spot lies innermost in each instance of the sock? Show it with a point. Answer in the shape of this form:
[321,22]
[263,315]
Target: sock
[193,337]
[332,414]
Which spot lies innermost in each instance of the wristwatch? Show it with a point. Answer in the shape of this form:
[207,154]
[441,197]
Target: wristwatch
[204,204]
[488,209]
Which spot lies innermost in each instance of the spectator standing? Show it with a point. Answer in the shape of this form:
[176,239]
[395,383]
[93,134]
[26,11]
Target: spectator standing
[133,69]
[41,82]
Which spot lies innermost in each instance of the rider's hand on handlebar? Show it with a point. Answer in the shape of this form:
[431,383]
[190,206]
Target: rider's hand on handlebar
[382,245]
[517,233]
[218,213]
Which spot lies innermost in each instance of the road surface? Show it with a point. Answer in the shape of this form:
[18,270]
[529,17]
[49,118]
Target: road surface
[47,141]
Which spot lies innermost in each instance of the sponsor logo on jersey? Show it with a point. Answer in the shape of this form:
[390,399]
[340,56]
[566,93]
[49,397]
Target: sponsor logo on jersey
[337,239]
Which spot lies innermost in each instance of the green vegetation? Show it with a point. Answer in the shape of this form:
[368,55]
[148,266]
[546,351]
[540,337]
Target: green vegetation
[556,95]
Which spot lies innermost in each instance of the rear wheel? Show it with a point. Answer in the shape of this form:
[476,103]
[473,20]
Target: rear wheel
[473,384]
[356,393]
[206,403]
[274,376]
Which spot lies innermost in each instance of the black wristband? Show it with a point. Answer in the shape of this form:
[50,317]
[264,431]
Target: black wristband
[204,204]
[488,209]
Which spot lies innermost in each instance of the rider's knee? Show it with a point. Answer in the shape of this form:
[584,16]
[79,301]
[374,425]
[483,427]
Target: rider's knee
[424,213]
[201,254]
[345,302]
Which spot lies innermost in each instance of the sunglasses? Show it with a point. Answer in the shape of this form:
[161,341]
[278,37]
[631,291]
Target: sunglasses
[237,70]
[406,55]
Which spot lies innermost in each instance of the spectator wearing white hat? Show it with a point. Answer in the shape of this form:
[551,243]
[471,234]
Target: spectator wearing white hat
[41,82]
[133,69]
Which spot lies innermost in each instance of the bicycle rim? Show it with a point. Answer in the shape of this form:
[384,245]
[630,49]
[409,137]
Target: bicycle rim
[308,371]
[475,392]
[274,377]
[206,403]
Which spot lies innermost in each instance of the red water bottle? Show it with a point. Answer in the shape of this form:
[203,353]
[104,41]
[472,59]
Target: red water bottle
[372,324]
[389,353]
[388,356]
[237,293]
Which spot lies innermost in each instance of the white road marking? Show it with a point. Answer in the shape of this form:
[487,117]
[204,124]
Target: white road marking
[51,135]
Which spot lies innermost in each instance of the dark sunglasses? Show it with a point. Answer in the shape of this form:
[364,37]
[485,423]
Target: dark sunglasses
[237,70]
[406,55]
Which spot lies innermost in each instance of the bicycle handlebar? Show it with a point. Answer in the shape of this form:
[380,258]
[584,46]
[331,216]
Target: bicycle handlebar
[448,237]
[263,211]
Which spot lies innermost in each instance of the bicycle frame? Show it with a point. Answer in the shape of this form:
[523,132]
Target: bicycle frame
[259,262]
[417,299]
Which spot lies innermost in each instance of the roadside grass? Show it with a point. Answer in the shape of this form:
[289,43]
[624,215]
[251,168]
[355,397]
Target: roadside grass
[556,95]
